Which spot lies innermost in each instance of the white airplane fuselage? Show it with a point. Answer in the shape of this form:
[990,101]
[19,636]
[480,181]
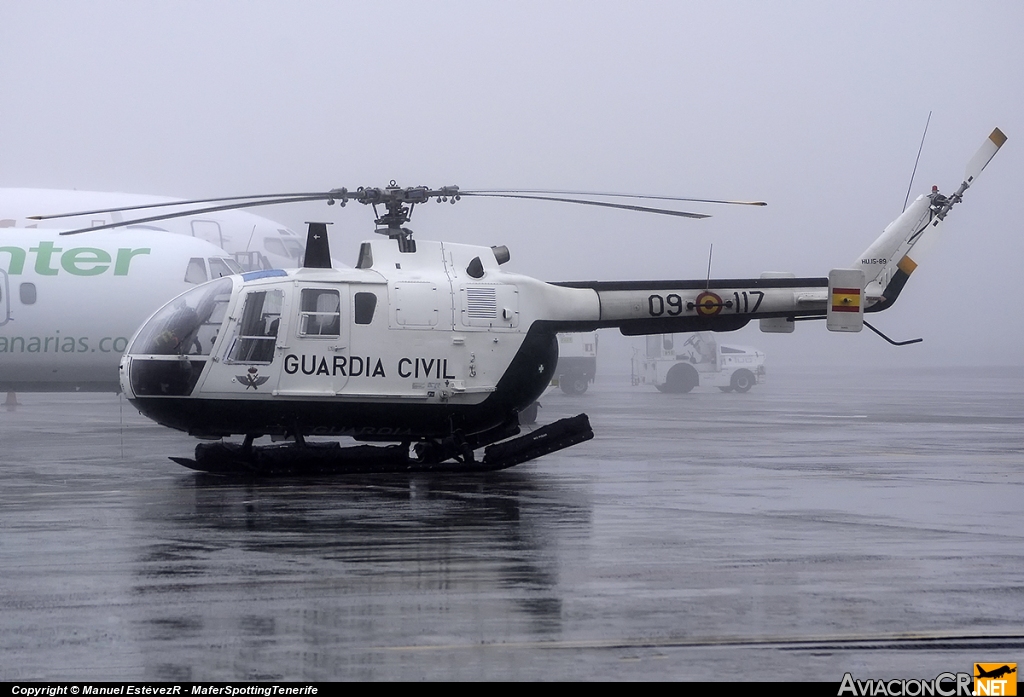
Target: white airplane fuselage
[238,232]
[68,304]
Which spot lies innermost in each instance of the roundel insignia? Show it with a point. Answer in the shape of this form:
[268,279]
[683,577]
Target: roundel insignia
[708,304]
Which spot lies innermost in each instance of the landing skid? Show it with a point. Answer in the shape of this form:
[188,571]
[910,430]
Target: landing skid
[331,458]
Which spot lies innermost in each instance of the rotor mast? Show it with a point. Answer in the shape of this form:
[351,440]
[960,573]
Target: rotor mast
[398,203]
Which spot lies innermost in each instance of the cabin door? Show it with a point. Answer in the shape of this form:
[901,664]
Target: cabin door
[316,359]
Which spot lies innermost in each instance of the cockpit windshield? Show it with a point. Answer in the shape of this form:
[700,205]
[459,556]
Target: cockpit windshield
[188,325]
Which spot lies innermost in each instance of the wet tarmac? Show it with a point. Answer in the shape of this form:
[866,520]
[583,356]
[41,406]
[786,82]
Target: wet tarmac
[867,521]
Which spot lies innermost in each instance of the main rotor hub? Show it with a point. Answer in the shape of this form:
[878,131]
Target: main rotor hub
[398,203]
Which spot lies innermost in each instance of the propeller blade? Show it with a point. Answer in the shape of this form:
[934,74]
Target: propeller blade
[653,197]
[390,197]
[192,202]
[212,209]
[583,202]
[985,154]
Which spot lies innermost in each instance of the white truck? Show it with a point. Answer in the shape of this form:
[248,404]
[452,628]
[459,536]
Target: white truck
[577,362]
[675,365]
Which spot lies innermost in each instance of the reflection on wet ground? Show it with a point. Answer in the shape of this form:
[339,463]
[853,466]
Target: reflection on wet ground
[819,524]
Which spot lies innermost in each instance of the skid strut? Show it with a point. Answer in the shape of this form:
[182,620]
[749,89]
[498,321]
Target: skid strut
[331,458]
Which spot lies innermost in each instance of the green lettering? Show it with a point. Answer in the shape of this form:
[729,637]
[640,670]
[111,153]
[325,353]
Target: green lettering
[69,345]
[3,344]
[33,344]
[43,253]
[124,258]
[17,261]
[85,261]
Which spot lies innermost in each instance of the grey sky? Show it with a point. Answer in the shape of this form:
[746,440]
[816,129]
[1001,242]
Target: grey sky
[814,107]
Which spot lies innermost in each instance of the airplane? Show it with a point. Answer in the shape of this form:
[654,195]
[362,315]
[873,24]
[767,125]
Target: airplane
[256,242]
[995,673]
[68,305]
[434,348]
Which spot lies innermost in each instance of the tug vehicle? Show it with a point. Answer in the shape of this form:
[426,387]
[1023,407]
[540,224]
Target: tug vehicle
[676,364]
[577,362]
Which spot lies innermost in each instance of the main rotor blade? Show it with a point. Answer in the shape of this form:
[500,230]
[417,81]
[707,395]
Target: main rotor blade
[583,202]
[653,197]
[198,211]
[167,204]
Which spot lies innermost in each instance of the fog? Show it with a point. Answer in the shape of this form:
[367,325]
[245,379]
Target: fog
[817,108]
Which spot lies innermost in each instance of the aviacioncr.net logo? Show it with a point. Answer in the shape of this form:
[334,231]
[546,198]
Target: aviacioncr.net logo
[995,679]
[943,685]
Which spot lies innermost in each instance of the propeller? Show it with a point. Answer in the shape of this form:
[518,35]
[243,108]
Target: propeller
[975,166]
[984,155]
[605,194]
[398,201]
[603,204]
[164,204]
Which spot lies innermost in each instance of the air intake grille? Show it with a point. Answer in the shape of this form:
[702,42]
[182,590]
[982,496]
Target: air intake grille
[482,303]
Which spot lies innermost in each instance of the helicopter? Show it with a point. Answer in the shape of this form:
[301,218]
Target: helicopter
[425,352]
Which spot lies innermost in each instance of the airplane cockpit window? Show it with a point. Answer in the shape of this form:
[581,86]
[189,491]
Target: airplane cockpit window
[196,271]
[275,246]
[257,332]
[320,313]
[220,267]
[365,303]
[27,293]
[296,250]
[188,325]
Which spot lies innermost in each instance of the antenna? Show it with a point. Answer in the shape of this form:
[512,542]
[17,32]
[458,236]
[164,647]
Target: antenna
[919,149]
[707,285]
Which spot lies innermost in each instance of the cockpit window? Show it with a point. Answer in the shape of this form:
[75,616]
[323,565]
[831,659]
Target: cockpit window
[196,271]
[294,247]
[188,325]
[286,246]
[275,246]
[320,313]
[220,267]
[257,332]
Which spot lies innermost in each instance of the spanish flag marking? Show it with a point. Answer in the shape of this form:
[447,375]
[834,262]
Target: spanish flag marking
[846,300]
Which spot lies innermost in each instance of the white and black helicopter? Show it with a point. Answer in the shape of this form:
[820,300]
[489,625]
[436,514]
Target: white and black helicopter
[434,348]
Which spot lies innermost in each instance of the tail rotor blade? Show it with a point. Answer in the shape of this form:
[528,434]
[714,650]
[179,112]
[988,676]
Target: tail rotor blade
[985,153]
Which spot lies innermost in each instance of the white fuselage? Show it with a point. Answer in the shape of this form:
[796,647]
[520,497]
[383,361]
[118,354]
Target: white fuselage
[69,304]
[238,232]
